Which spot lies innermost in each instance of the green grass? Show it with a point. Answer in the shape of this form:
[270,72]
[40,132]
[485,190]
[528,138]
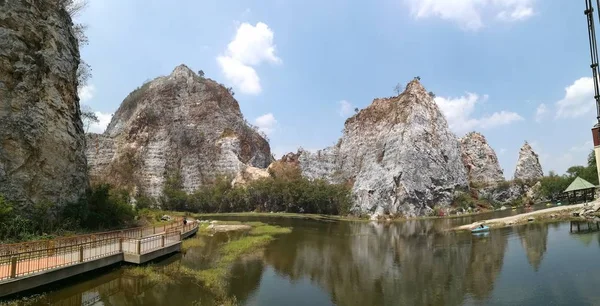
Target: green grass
[213,278]
[151,273]
[264,229]
[193,242]
[30,300]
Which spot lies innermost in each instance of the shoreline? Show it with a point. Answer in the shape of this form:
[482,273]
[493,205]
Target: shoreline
[559,213]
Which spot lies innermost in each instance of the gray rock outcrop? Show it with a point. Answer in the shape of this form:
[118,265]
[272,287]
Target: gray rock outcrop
[42,142]
[480,160]
[399,154]
[503,192]
[528,164]
[180,124]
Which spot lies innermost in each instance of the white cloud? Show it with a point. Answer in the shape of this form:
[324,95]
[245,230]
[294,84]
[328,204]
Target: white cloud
[346,109]
[100,126]
[540,112]
[578,100]
[251,46]
[458,112]
[470,14]
[242,76]
[502,151]
[266,123]
[86,93]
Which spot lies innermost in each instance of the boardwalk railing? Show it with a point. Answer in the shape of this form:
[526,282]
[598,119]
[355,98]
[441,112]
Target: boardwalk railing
[23,259]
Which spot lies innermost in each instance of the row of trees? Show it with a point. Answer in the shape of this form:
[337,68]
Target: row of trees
[554,184]
[283,193]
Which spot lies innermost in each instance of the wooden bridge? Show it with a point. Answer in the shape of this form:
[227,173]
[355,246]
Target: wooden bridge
[24,266]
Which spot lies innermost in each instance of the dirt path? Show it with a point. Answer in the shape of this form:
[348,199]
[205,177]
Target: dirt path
[521,218]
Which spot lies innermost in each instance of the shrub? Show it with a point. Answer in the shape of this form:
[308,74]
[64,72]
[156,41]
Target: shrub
[286,193]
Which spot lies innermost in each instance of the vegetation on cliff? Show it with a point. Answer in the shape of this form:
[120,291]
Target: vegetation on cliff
[102,208]
[283,192]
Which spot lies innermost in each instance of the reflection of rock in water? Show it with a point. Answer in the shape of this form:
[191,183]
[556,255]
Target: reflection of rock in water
[534,238]
[409,263]
[245,277]
[487,256]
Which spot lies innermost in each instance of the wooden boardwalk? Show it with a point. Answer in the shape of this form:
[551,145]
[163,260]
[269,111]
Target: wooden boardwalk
[28,265]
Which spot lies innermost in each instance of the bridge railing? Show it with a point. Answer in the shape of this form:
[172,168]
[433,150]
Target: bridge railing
[136,232]
[28,258]
[29,262]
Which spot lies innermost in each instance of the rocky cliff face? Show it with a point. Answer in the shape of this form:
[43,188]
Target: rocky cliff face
[528,164]
[480,160]
[398,152]
[181,124]
[42,143]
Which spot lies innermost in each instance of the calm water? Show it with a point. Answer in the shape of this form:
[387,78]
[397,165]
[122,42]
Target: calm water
[409,263]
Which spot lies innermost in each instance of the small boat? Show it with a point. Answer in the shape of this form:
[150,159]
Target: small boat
[480,229]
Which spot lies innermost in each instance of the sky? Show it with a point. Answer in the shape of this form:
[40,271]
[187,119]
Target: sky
[513,70]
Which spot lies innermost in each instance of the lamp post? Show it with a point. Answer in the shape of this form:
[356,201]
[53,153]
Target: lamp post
[589,12]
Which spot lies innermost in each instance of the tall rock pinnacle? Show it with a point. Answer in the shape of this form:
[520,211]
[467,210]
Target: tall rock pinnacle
[480,159]
[528,164]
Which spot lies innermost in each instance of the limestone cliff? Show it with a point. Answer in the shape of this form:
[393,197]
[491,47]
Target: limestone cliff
[180,124]
[398,152]
[528,164]
[42,143]
[480,160]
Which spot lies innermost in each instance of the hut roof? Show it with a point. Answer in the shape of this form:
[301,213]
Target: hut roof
[579,184]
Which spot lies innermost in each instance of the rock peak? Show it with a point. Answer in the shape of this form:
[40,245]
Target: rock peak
[479,159]
[415,86]
[182,70]
[528,164]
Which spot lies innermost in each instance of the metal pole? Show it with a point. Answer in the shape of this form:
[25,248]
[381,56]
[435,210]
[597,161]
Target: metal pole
[589,12]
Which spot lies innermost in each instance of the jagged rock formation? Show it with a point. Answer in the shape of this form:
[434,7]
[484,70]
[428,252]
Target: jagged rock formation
[42,143]
[528,164]
[480,160]
[398,152]
[248,175]
[180,124]
[503,192]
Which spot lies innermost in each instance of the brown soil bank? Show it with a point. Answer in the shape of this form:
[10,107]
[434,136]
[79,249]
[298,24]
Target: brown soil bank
[524,218]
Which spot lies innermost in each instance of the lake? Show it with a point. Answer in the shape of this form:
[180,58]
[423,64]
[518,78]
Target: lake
[357,263]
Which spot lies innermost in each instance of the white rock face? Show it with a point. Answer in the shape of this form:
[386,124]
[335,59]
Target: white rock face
[480,160]
[42,143]
[528,164]
[400,154]
[319,165]
[181,123]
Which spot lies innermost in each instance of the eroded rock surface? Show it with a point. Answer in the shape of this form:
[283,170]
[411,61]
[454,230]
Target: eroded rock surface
[528,164]
[180,124]
[480,160]
[399,154]
[42,142]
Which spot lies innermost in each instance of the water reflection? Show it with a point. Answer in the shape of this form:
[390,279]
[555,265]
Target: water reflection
[411,263]
[534,238]
[341,263]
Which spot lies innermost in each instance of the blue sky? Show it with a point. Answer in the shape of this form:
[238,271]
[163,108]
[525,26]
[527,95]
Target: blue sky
[514,70]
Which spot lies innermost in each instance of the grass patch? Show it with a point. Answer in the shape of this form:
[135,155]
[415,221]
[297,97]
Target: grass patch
[153,274]
[213,278]
[194,242]
[30,300]
[265,229]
